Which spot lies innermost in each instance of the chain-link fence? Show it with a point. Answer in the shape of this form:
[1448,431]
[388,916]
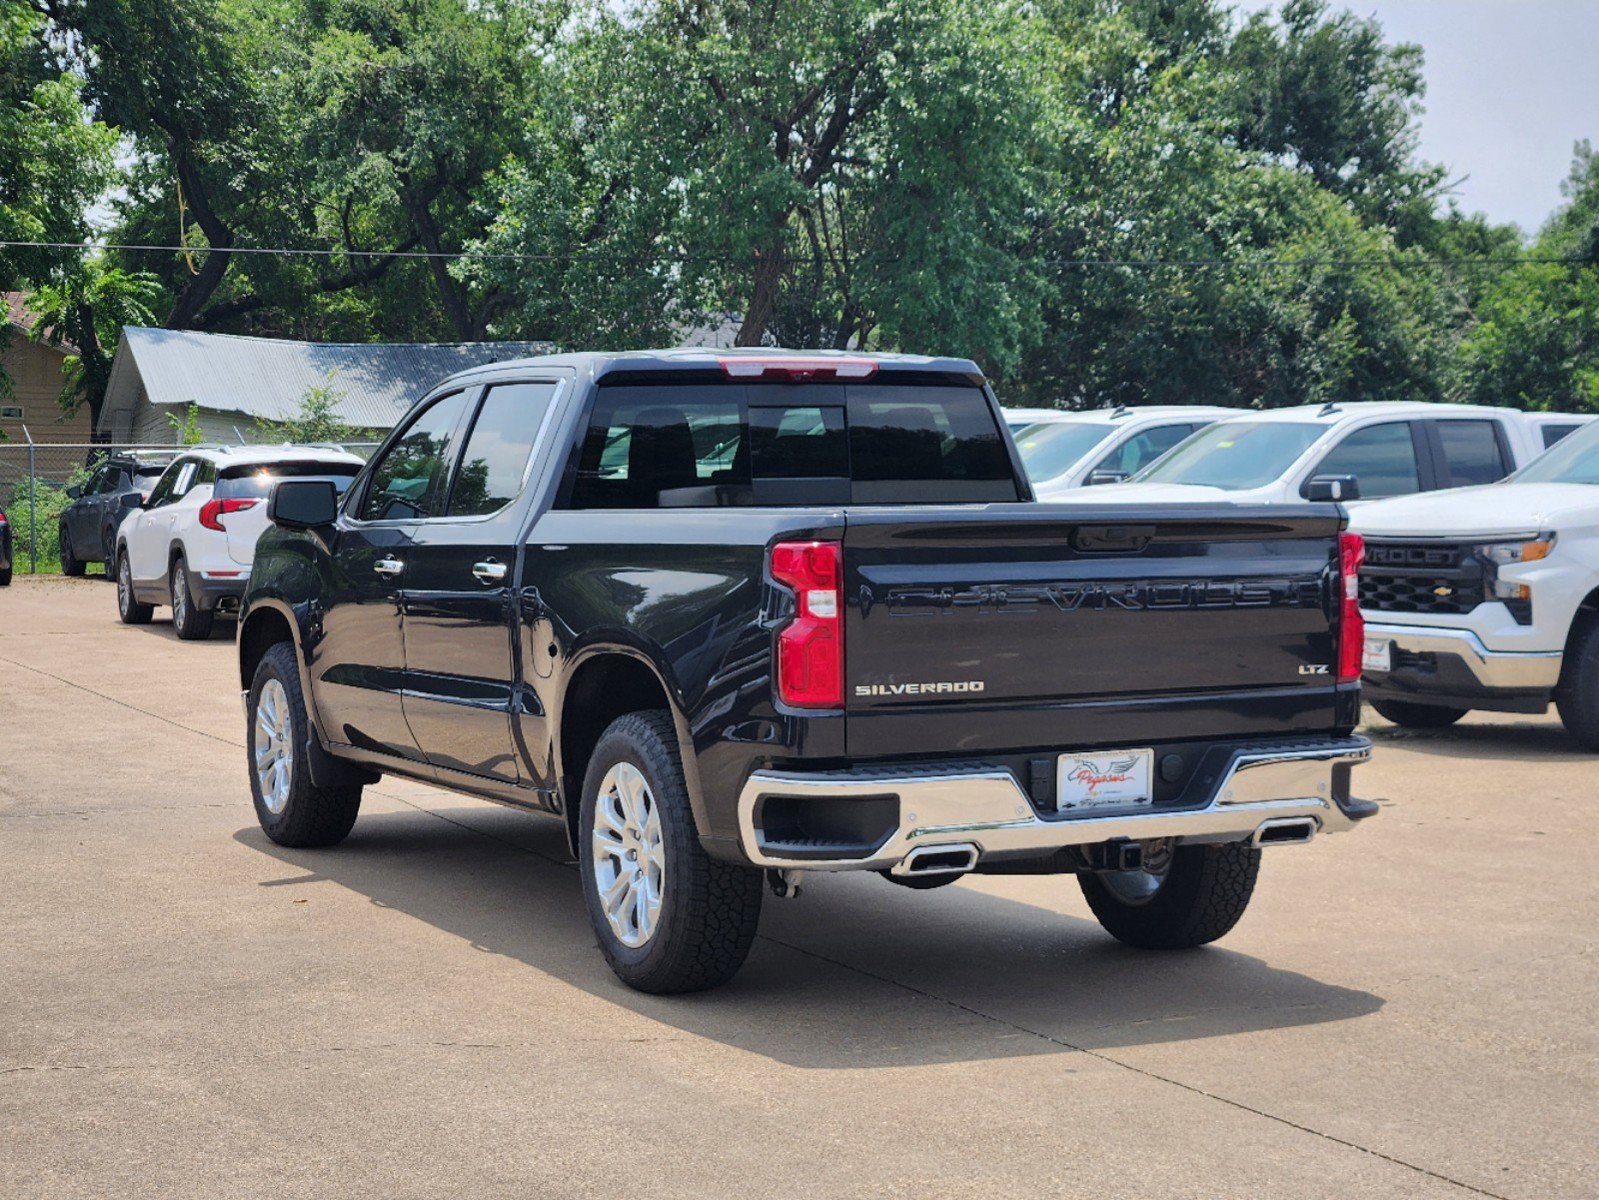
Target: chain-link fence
[34,478]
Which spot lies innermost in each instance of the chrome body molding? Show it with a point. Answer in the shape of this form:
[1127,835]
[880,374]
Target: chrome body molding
[1492,668]
[988,808]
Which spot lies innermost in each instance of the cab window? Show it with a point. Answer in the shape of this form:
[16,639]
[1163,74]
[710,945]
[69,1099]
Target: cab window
[495,462]
[1143,448]
[409,482]
[1381,457]
[1472,453]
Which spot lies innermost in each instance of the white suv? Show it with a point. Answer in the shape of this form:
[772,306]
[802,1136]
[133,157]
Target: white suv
[192,542]
[1488,597]
[1106,445]
[1361,451]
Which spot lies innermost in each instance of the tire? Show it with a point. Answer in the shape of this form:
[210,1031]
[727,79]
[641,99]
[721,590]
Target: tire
[1199,898]
[703,923]
[1418,716]
[291,809]
[71,564]
[189,621]
[5,577]
[108,548]
[128,608]
[1577,697]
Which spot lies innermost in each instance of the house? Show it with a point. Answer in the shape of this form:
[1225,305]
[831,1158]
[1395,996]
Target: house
[33,371]
[235,382]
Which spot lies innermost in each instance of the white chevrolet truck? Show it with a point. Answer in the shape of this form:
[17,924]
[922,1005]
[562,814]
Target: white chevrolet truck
[1488,597]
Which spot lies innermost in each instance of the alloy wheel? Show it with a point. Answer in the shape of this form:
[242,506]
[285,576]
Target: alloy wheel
[274,746]
[628,854]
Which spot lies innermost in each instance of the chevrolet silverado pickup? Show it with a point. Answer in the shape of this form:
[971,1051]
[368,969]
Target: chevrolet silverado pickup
[737,617]
[1488,598]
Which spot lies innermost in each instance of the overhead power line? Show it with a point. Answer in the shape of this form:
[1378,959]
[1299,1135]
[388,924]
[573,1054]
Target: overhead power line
[591,256]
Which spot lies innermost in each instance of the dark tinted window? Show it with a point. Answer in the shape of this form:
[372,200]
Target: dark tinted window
[409,481]
[1553,433]
[106,482]
[256,481]
[1382,457]
[494,463]
[175,481]
[1471,453]
[704,445]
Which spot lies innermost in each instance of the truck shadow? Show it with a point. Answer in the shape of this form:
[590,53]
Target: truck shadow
[855,973]
[1533,739]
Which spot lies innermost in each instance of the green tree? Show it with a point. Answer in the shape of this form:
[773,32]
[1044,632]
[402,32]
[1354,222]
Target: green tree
[316,420]
[83,310]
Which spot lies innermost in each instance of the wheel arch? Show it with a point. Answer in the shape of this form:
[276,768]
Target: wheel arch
[603,683]
[1587,613]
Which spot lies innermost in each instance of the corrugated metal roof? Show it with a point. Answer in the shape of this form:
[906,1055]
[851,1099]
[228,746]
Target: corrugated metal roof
[375,384]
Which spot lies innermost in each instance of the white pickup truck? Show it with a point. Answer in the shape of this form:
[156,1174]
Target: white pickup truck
[1488,597]
[1362,451]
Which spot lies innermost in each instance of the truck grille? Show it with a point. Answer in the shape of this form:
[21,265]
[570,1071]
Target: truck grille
[1412,577]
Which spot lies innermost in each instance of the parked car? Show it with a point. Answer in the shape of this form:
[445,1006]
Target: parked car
[1081,449]
[1344,452]
[853,648]
[1018,419]
[1488,598]
[191,544]
[89,524]
[5,550]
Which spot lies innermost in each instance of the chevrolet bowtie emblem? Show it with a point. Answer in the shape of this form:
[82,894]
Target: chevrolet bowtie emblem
[1443,591]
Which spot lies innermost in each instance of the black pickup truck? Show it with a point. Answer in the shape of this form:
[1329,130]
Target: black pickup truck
[738,616]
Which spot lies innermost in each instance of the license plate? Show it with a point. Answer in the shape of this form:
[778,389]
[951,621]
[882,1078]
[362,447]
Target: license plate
[1100,779]
[1377,655]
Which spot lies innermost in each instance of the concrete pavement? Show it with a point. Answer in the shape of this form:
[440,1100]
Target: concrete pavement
[188,1010]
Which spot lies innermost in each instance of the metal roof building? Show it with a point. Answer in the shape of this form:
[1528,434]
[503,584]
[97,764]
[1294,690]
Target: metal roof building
[236,381]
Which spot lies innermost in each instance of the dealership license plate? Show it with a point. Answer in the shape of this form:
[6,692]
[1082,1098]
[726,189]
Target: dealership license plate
[1377,655]
[1101,779]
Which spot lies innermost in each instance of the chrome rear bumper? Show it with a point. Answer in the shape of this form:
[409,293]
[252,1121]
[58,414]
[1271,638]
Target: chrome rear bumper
[988,808]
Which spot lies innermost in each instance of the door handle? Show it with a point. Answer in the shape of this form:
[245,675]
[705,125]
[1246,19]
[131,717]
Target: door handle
[489,572]
[388,567]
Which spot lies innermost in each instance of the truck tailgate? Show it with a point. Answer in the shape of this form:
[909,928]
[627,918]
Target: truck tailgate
[1008,626]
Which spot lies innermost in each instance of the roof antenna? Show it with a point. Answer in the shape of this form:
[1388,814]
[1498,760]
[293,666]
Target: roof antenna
[1329,408]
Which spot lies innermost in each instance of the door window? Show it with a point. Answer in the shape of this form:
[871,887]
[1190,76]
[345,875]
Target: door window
[408,483]
[1138,451]
[174,483]
[1382,457]
[1553,433]
[110,482]
[1472,453]
[494,463]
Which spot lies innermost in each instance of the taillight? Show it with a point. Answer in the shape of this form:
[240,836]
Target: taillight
[798,370]
[810,648]
[1351,625]
[212,511]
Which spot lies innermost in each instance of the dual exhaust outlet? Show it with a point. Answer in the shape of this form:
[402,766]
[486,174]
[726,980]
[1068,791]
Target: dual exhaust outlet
[960,858]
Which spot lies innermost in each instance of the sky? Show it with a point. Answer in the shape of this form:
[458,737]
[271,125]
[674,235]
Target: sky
[1511,85]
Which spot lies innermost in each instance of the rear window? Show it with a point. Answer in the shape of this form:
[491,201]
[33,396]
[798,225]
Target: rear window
[255,481]
[706,445]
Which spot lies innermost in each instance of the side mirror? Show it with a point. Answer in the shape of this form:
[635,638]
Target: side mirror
[75,491]
[1095,478]
[303,504]
[131,500]
[1333,487]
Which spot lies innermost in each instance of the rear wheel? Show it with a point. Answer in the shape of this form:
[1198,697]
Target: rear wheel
[191,622]
[108,551]
[1418,716]
[128,606]
[669,918]
[71,564]
[1195,895]
[1577,698]
[292,810]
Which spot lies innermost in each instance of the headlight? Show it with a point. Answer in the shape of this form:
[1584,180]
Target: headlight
[1506,554]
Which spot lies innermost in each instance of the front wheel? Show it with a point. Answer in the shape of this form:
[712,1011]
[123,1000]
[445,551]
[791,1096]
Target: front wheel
[1418,716]
[292,810]
[191,622]
[668,916]
[1577,697]
[128,606]
[1195,895]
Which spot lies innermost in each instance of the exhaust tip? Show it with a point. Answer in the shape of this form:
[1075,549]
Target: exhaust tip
[938,860]
[1285,831]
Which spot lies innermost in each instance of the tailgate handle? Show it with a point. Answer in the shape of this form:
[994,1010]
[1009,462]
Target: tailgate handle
[1106,539]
